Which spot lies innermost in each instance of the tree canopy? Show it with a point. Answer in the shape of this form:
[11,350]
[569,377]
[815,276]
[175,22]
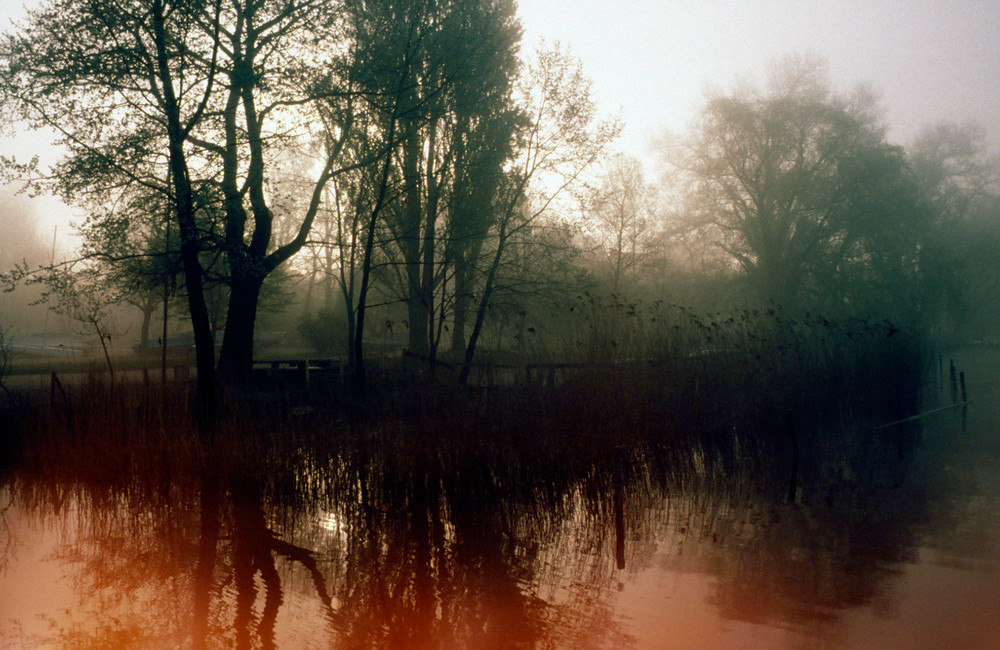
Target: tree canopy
[189,99]
[800,189]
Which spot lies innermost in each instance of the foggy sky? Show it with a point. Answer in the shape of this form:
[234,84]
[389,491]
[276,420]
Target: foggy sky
[930,59]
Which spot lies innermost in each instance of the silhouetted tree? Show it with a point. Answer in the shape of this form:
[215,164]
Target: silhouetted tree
[454,112]
[618,216]
[961,181]
[194,92]
[799,188]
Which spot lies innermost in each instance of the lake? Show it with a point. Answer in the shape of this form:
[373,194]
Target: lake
[889,538]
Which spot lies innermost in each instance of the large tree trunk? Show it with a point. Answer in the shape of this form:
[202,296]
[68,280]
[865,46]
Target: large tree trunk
[204,343]
[236,356]
[190,246]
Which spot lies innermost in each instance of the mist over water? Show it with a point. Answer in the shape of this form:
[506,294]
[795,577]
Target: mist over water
[22,241]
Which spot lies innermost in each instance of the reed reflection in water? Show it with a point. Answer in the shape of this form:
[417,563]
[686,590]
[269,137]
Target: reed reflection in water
[385,543]
[631,508]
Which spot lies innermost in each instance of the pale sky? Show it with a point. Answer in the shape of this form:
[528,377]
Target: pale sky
[930,59]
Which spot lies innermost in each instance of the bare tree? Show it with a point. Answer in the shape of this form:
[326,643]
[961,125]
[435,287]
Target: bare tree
[800,189]
[82,296]
[618,217]
[561,138]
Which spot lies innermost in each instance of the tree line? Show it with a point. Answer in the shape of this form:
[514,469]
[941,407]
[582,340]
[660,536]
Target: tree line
[236,123]
[408,153]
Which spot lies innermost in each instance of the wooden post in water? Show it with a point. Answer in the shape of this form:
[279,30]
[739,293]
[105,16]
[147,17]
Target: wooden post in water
[619,506]
[965,407]
[953,382]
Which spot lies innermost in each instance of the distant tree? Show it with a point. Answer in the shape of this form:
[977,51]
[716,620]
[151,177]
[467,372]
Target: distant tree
[801,191]
[130,248]
[560,139]
[955,167]
[619,219]
[961,180]
[873,264]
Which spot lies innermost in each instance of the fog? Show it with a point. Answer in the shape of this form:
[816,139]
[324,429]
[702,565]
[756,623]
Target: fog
[478,324]
[930,59]
[656,66]
[22,243]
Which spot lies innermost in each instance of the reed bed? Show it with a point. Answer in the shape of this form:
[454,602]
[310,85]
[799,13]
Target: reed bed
[726,394]
[528,485]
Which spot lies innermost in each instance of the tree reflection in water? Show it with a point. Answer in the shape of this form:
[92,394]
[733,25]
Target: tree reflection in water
[386,542]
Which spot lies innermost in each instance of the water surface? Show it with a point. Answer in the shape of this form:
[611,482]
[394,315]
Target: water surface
[891,541]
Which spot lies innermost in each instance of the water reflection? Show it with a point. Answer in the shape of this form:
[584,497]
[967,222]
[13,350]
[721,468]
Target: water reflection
[380,544]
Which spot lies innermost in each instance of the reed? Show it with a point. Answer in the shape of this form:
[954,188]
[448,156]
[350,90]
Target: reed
[656,380]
